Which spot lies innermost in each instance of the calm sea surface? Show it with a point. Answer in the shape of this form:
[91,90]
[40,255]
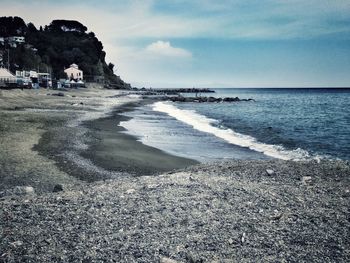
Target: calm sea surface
[282,123]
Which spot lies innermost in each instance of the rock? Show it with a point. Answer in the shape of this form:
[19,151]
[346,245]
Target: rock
[60,94]
[277,215]
[270,172]
[16,243]
[306,180]
[346,193]
[24,190]
[130,191]
[57,188]
[243,238]
[168,260]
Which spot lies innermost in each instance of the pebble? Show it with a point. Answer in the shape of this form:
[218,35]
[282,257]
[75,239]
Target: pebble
[130,191]
[270,172]
[16,243]
[306,180]
[24,190]
[243,237]
[57,188]
[168,260]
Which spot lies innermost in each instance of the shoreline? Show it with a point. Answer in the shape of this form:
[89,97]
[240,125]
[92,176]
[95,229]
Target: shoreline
[64,128]
[114,150]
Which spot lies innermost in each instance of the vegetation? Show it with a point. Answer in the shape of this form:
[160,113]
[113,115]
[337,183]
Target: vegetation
[57,46]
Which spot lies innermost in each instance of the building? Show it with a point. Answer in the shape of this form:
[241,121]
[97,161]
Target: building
[34,79]
[13,41]
[73,72]
[16,39]
[6,77]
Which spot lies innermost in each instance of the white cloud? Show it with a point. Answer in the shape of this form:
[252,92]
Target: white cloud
[164,48]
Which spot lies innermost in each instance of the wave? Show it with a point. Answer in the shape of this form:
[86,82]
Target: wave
[205,124]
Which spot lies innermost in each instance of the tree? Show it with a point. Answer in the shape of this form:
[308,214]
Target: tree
[111,66]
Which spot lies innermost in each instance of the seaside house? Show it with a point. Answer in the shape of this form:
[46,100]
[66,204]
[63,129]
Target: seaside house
[14,40]
[74,73]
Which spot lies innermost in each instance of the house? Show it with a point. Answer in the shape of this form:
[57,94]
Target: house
[6,77]
[14,40]
[73,72]
[32,78]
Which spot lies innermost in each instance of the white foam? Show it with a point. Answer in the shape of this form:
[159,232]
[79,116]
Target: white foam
[205,124]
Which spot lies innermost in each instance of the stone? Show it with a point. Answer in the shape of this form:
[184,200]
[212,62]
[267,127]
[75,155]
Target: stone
[168,260]
[24,190]
[16,243]
[270,172]
[243,238]
[130,191]
[57,188]
[306,180]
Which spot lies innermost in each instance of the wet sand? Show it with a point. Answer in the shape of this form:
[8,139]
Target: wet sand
[117,151]
[48,140]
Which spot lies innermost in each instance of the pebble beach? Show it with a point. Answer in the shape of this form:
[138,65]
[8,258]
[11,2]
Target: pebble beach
[75,188]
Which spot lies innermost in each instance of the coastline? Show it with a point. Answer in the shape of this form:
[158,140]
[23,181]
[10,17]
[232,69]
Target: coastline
[225,211]
[115,150]
[69,139]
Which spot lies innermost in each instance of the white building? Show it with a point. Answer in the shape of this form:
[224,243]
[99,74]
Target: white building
[73,72]
[16,39]
[6,77]
[13,41]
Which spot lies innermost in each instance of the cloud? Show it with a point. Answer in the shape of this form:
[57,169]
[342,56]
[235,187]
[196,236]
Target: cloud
[164,48]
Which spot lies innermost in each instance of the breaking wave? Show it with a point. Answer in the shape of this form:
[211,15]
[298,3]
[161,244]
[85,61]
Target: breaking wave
[205,124]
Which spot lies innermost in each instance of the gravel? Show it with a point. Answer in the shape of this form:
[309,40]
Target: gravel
[230,211]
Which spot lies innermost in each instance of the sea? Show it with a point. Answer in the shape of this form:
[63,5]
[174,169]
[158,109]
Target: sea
[281,123]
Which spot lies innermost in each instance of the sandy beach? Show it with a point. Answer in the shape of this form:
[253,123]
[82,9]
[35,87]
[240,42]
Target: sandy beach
[123,201]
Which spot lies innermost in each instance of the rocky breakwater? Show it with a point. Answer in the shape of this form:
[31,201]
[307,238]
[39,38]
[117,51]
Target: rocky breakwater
[176,91]
[203,99]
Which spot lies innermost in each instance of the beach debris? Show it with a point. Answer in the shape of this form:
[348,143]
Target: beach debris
[306,180]
[57,188]
[270,172]
[23,190]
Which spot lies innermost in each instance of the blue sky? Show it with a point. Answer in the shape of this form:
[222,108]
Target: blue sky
[227,43]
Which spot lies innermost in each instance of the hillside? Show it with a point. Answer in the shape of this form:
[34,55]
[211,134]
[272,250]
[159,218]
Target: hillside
[54,47]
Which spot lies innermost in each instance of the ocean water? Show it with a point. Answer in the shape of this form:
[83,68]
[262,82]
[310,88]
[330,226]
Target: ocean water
[289,124]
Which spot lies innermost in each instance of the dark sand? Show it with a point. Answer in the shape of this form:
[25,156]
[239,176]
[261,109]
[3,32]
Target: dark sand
[117,151]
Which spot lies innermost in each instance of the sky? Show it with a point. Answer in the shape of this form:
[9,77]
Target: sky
[212,43]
